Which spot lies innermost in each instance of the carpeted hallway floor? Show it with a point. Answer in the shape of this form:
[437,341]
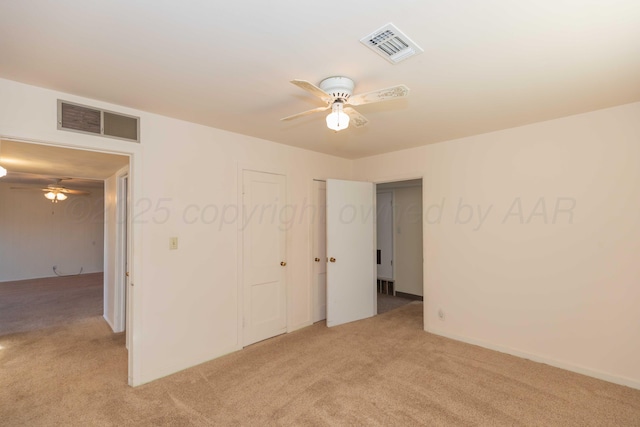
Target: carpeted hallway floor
[380,371]
[390,302]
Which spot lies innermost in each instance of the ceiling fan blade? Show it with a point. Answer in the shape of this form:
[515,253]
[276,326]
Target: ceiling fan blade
[54,189]
[356,119]
[394,92]
[313,89]
[26,188]
[72,191]
[304,113]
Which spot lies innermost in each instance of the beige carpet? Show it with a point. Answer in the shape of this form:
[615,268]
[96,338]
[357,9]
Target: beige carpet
[380,371]
[29,305]
[390,302]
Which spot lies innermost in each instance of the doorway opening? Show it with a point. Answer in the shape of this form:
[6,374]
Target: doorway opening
[77,240]
[398,275]
[399,243]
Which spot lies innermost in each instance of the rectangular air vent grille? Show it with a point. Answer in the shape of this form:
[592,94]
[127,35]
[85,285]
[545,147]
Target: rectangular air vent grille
[120,126]
[81,118]
[391,44]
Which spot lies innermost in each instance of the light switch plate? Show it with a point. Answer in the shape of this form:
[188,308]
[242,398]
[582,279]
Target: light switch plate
[173,243]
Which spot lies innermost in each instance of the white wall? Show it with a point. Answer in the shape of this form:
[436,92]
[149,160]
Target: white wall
[185,302]
[532,238]
[36,234]
[408,240]
[384,233]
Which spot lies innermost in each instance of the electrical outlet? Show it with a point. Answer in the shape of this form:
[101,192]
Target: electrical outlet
[173,243]
[441,314]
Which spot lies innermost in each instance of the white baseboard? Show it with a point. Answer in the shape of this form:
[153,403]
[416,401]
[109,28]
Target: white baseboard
[193,361]
[109,322]
[173,368]
[541,359]
[299,326]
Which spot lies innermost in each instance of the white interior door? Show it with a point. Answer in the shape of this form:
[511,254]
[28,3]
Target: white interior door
[351,269]
[264,264]
[384,234]
[319,242]
[123,221]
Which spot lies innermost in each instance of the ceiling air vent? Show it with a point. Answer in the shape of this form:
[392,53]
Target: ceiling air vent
[84,119]
[391,44]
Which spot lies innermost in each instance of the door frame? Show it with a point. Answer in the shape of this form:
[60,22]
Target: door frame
[410,177]
[135,158]
[376,181]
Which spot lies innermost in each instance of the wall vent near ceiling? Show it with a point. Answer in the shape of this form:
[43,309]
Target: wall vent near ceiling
[84,119]
[391,44]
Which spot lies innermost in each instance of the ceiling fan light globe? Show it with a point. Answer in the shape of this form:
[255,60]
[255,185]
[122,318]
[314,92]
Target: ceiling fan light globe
[50,195]
[61,196]
[3,171]
[337,121]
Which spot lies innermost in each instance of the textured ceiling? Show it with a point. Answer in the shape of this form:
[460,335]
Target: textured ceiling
[487,65]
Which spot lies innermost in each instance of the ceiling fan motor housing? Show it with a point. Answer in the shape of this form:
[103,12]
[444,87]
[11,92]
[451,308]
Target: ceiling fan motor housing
[338,87]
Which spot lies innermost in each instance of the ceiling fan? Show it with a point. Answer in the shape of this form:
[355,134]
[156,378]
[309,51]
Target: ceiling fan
[56,192]
[337,92]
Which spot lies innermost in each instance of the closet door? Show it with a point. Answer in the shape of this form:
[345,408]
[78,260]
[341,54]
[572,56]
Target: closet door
[264,250]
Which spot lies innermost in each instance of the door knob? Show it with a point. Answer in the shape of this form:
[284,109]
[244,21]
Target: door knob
[317,260]
[283,263]
[332,259]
